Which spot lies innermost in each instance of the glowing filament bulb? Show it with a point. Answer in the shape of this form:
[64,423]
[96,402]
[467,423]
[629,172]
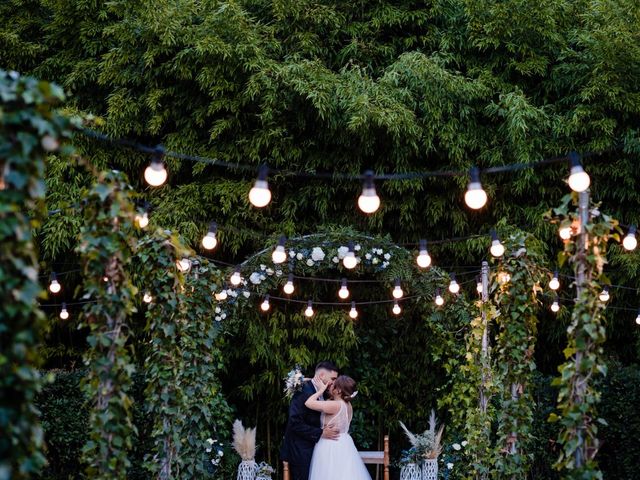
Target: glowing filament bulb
[630,242]
[555,306]
[554,284]
[54,286]
[265,304]
[397,291]
[309,310]
[289,287]
[497,249]
[396,308]
[423,259]
[147,298]
[184,264]
[353,313]
[260,195]
[579,180]
[279,255]
[439,300]
[209,241]
[236,278]
[604,295]
[453,285]
[476,197]
[565,233]
[350,261]
[368,201]
[64,314]
[344,293]
[155,174]
[638,319]
[478,286]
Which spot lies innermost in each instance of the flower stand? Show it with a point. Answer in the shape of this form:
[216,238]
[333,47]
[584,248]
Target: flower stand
[430,469]
[247,470]
[410,471]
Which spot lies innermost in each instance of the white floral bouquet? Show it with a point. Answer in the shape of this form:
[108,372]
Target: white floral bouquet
[264,471]
[293,382]
[214,448]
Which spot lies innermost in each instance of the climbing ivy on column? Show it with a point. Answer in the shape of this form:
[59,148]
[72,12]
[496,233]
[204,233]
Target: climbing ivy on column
[162,281]
[578,396]
[29,130]
[517,285]
[106,248]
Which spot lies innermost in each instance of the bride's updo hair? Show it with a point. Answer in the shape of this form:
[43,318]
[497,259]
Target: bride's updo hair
[346,385]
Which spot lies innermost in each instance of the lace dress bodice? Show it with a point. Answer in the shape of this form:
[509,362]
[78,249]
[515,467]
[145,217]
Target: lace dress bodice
[341,420]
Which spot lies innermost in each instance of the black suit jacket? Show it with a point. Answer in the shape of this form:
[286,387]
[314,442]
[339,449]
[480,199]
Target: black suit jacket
[303,429]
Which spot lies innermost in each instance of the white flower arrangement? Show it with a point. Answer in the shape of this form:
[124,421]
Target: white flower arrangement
[215,447]
[299,256]
[310,263]
[335,259]
[293,382]
[264,471]
[255,278]
[342,252]
[246,294]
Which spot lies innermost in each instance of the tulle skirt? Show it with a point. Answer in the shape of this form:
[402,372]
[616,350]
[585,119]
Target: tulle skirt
[337,460]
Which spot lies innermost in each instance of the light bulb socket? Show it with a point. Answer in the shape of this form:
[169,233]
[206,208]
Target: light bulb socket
[290,278]
[368,183]
[263,173]
[397,282]
[344,283]
[64,306]
[452,278]
[632,230]
[575,163]
[213,228]
[555,274]
[266,298]
[54,277]
[157,162]
[282,240]
[351,247]
[494,236]
[422,246]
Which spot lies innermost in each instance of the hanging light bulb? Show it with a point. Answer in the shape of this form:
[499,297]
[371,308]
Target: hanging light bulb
[147,298]
[289,287]
[54,285]
[638,318]
[64,314]
[353,313]
[265,304]
[555,306]
[350,261]
[236,278]
[453,285]
[184,264]
[222,295]
[142,219]
[497,249]
[604,295]
[396,308]
[155,174]
[423,259]
[309,310]
[554,284]
[368,201]
[397,290]
[565,233]
[630,242]
[439,300]
[209,241]
[579,180]
[260,195]
[344,293]
[279,255]
[475,197]
[478,285]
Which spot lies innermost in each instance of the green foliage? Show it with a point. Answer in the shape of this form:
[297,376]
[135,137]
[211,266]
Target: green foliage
[29,130]
[106,251]
[578,395]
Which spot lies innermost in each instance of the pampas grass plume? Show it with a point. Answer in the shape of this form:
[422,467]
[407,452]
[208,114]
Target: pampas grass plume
[244,441]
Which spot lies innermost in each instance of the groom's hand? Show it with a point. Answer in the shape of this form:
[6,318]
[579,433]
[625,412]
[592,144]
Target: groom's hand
[330,433]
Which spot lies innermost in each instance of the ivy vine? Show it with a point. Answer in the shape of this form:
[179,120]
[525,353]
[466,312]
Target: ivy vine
[578,395]
[30,129]
[106,247]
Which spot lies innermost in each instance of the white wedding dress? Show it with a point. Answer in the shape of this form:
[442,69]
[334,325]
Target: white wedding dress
[338,459]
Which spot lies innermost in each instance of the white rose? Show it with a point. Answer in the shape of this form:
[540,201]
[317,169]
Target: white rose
[449,465]
[217,311]
[299,256]
[357,247]
[210,440]
[310,263]
[367,256]
[385,264]
[387,256]
[335,259]
[208,450]
[375,261]
[292,253]
[223,316]
[233,293]
[465,443]
[269,271]
[246,294]
[217,318]
[263,277]
[278,273]
[222,455]
[456,446]
[342,252]
[255,278]
[263,267]
[317,254]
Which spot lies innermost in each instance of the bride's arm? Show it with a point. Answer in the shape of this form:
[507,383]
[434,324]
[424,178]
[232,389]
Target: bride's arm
[326,406]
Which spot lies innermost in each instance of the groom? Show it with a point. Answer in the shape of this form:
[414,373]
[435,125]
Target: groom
[303,428]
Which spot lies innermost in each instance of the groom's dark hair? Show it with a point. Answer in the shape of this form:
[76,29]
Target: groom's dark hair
[327,366]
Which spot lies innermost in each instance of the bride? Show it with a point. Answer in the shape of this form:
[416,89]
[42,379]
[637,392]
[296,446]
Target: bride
[336,459]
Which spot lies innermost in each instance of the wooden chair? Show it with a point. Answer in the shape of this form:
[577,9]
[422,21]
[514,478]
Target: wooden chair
[373,458]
